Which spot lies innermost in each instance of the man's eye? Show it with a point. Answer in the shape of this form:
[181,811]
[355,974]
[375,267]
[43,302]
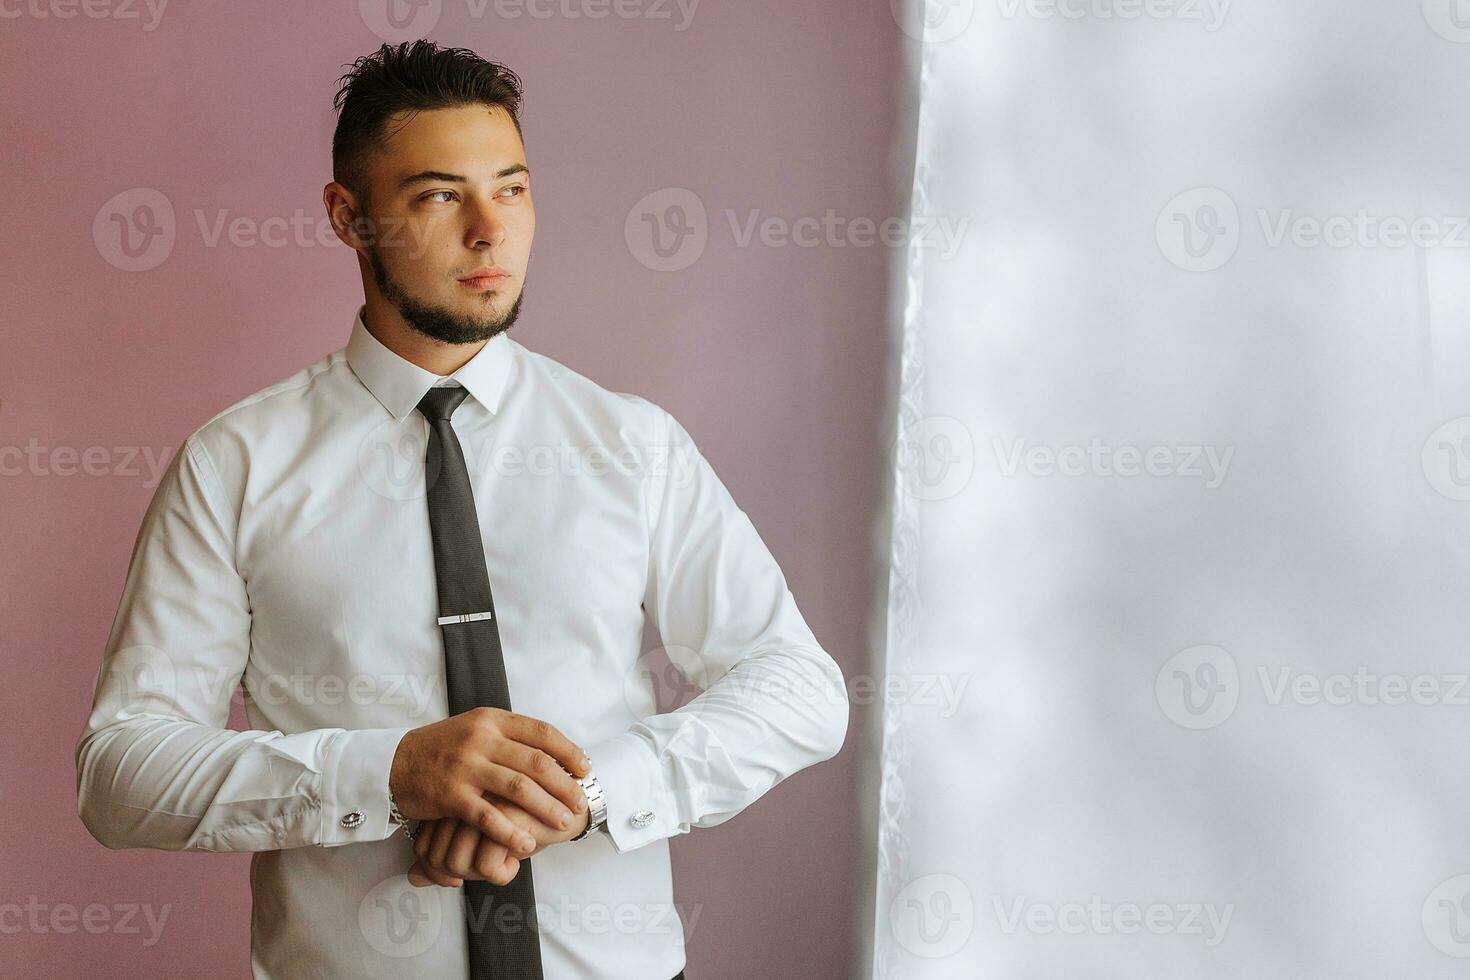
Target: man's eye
[521,188]
[435,194]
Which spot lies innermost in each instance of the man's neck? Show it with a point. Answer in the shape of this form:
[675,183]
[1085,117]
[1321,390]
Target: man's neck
[434,356]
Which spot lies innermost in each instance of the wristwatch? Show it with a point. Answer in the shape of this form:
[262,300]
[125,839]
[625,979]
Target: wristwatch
[596,804]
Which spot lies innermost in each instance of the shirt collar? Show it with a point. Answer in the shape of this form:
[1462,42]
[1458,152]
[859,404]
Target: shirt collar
[400,384]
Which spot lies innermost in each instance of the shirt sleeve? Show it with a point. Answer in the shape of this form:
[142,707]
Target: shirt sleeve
[157,765]
[772,700]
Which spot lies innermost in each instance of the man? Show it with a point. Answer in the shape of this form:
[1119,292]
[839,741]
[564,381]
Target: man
[428,557]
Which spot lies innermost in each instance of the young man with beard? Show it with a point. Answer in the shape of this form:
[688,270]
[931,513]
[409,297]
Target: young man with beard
[458,625]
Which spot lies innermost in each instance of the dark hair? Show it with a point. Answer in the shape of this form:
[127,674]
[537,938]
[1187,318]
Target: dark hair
[412,76]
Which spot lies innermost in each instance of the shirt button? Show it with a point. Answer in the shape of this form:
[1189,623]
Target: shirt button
[353,819]
[641,819]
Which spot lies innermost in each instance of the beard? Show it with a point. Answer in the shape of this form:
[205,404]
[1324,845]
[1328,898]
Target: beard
[438,322]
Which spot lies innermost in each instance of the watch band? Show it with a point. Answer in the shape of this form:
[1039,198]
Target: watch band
[397,817]
[596,804]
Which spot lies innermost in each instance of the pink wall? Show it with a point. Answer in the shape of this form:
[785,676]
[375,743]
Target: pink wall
[774,357]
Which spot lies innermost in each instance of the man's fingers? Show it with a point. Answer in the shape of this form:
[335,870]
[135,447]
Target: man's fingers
[484,816]
[545,736]
[459,858]
[431,876]
[530,795]
[493,864]
[438,845]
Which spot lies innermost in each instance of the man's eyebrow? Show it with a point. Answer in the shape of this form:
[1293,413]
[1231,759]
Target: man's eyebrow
[439,176]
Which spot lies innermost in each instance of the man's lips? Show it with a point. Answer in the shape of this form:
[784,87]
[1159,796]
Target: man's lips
[486,278]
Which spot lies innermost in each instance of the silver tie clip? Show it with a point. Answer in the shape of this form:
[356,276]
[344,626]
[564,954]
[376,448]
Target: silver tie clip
[465,618]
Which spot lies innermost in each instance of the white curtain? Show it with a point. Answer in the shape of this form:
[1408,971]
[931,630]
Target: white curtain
[1178,623]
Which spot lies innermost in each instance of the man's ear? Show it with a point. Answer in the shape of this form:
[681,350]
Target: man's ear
[349,223]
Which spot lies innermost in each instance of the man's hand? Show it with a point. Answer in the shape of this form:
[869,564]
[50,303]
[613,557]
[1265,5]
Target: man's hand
[449,852]
[446,770]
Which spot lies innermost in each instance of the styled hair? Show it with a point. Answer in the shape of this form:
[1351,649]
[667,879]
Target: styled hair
[409,77]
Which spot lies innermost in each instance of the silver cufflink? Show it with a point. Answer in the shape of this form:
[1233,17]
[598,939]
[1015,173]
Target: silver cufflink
[353,819]
[641,819]
[464,618]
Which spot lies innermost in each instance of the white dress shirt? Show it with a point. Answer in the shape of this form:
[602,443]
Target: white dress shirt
[288,547]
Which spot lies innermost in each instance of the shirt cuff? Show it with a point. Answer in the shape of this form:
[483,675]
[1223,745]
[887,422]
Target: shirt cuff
[355,785]
[640,808]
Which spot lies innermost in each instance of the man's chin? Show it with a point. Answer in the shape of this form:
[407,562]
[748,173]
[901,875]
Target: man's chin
[456,325]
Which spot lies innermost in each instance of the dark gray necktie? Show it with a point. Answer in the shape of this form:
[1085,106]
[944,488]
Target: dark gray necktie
[504,940]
